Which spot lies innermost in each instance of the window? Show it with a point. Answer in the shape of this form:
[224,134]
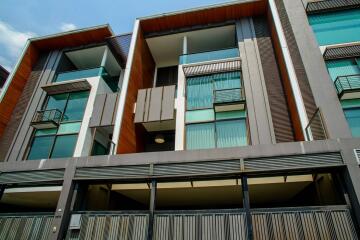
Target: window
[352,113]
[60,142]
[342,67]
[167,76]
[98,149]
[336,27]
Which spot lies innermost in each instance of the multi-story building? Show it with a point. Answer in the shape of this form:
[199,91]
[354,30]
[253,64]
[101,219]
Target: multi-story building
[3,76]
[221,122]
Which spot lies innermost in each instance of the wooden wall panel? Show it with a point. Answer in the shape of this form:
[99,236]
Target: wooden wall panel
[141,76]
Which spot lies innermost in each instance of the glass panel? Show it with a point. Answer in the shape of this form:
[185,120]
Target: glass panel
[227,80]
[199,92]
[353,117]
[57,101]
[98,149]
[67,128]
[86,73]
[343,67]
[41,147]
[44,132]
[230,115]
[208,56]
[231,133]
[64,146]
[200,136]
[350,103]
[336,27]
[76,106]
[205,115]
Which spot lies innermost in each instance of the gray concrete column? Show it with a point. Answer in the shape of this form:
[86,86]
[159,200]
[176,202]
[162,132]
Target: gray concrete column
[62,213]
[258,110]
[320,83]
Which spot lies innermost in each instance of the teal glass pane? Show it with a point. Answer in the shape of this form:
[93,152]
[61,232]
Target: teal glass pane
[98,149]
[64,146]
[57,101]
[77,74]
[231,133]
[343,67]
[199,92]
[353,118]
[44,132]
[200,136]
[227,80]
[350,103]
[41,147]
[76,106]
[205,115]
[230,115]
[67,128]
[209,56]
[336,27]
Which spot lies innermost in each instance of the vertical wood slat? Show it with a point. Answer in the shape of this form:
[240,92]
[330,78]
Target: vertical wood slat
[109,109]
[167,105]
[155,104]
[140,106]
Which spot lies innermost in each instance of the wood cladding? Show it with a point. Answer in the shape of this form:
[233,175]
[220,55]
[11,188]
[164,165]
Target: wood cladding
[299,136]
[141,76]
[204,16]
[277,100]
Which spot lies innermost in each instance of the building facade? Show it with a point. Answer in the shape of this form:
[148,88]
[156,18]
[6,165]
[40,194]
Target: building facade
[232,121]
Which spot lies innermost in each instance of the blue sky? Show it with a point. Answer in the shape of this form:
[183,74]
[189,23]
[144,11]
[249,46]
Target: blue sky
[21,19]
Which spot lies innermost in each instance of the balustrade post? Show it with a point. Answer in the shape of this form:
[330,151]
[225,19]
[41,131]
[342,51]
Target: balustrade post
[246,206]
[152,207]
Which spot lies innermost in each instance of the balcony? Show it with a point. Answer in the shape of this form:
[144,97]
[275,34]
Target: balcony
[229,99]
[209,56]
[79,74]
[348,87]
[46,119]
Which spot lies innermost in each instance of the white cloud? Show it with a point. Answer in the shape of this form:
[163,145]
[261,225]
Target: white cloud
[67,27]
[13,40]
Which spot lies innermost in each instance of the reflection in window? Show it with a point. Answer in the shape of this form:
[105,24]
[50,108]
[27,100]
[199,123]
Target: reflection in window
[353,118]
[64,146]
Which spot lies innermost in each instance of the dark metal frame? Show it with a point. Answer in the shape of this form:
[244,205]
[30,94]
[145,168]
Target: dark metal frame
[344,80]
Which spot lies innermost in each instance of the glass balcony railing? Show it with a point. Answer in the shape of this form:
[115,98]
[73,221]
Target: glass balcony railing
[209,56]
[347,83]
[77,74]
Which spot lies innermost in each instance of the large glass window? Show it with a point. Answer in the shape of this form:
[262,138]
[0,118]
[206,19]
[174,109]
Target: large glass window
[342,67]
[60,142]
[352,113]
[336,27]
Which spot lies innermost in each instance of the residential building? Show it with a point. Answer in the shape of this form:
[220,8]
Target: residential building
[3,76]
[231,121]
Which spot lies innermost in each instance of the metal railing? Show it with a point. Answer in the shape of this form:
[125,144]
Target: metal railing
[316,130]
[51,115]
[326,5]
[347,83]
[229,95]
[209,56]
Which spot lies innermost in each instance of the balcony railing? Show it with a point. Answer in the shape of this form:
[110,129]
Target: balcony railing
[79,74]
[346,84]
[228,95]
[209,56]
[46,119]
[315,130]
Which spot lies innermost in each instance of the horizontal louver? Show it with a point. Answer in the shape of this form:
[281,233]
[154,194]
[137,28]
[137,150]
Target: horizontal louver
[326,5]
[342,52]
[197,168]
[32,176]
[296,161]
[113,172]
[225,66]
[357,154]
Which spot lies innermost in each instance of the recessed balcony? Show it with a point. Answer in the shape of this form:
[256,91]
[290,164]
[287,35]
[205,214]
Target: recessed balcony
[209,56]
[348,87]
[46,119]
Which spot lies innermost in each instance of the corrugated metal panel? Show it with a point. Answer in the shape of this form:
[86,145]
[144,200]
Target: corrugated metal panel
[120,45]
[296,161]
[25,227]
[277,99]
[111,226]
[200,225]
[32,176]
[326,5]
[342,52]
[113,172]
[225,66]
[197,168]
[303,223]
[304,85]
